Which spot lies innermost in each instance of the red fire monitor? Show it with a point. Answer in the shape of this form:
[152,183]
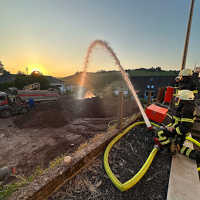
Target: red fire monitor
[156,113]
[168,94]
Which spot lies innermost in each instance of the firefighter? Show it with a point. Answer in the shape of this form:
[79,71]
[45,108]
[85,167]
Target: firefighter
[182,122]
[185,80]
[196,81]
[31,103]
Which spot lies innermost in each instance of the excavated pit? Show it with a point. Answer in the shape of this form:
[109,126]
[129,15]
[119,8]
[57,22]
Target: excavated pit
[65,110]
[58,114]
[55,128]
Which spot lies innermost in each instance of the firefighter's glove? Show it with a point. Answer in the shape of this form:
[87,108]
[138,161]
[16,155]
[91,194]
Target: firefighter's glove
[178,78]
[170,129]
[174,148]
[153,131]
[179,142]
[169,132]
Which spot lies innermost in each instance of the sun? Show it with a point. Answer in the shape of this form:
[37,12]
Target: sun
[36,73]
[36,68]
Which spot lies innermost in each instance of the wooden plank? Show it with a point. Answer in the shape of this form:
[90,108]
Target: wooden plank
[184,179]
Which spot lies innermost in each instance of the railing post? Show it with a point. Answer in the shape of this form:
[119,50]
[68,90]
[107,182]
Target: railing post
[121,109]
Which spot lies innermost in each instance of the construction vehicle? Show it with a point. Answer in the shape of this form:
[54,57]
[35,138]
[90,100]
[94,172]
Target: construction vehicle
[34,86]
[33,91]
[55,87]
[59,87]
[38,95]
[11,105]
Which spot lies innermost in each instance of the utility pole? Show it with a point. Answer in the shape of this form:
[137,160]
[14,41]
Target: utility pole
[187,35]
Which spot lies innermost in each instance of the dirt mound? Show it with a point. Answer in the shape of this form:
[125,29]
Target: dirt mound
[83,108]
[59,113]
[66,109]
[45,115]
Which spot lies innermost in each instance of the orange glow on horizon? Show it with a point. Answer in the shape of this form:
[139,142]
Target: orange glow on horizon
[40,68]
[57,70]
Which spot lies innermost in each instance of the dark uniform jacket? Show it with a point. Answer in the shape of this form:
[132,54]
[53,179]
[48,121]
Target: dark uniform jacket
[187,83]
[183,119]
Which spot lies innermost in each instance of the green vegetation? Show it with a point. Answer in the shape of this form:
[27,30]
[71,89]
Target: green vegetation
[21,80]
[5,86]
[151,72]
[7,190]
[94,81]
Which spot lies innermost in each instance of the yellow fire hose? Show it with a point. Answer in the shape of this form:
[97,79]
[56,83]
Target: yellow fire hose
[131,182]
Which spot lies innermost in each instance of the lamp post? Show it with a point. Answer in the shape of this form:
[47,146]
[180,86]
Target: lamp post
[187,38]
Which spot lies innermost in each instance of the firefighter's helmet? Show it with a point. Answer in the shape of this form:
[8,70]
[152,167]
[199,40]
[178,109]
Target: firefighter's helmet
[186,72]
[185,95]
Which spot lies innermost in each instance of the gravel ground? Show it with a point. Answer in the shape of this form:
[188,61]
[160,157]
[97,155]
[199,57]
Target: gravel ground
[126,158]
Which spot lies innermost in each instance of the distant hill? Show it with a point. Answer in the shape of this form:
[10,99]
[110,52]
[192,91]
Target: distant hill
[152,72]
[100,80]
[95,81]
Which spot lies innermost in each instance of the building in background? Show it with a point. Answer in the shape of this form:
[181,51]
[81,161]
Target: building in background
[146,84]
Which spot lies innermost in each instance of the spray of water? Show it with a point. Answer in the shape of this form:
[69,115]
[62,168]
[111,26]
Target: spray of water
[124,75]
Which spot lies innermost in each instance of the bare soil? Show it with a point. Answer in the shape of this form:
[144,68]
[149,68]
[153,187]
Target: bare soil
[53,129]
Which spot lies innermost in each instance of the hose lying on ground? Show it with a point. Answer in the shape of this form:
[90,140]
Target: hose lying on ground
[131,182]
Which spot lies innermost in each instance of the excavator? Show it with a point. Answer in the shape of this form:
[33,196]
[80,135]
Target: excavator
[12,104]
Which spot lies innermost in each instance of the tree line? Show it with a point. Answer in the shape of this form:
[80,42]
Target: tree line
[21,80]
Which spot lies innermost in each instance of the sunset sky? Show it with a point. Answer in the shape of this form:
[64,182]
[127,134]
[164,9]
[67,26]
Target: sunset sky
[53,35]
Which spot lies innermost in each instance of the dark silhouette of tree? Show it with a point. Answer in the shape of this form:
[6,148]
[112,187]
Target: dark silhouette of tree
[22,80]
[1,68]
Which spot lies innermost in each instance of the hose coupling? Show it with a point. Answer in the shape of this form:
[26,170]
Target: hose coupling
[156,146]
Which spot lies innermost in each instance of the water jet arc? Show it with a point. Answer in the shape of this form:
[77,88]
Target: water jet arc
[124,74]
